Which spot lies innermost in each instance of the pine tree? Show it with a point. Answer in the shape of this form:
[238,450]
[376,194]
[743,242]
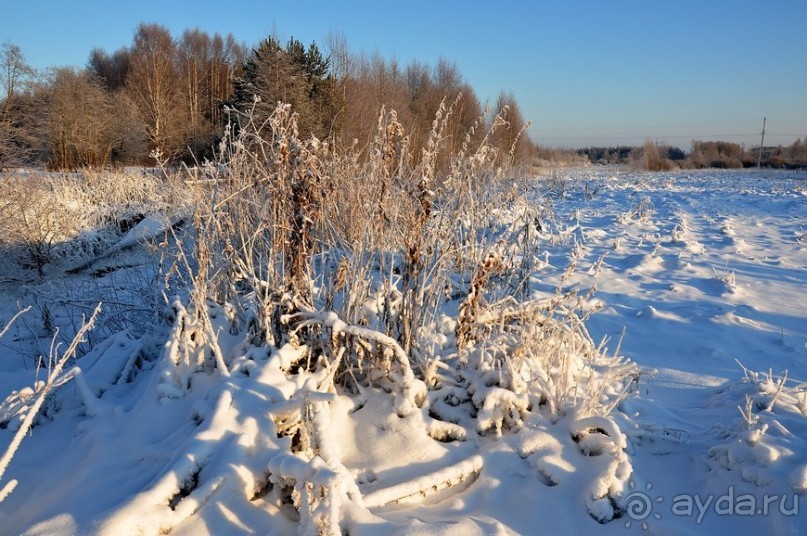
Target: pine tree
[290,74]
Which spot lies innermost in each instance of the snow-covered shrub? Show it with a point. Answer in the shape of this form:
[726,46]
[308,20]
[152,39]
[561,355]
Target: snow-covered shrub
[528,366]
[192,346]
[542,354]
[37,219]
[119,198]
[764,444]
[642,210]
[50,217]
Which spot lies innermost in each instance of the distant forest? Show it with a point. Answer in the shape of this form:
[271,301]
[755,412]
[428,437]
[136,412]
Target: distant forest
[704,154]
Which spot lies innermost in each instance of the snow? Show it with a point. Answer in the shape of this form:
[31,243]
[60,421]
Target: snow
[701,279]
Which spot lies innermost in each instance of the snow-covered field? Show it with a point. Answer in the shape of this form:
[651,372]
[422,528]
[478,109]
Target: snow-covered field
[701,282]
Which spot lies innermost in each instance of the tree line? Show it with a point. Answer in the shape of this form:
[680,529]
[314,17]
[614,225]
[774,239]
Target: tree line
[655,156]
[159,93]
[173,97]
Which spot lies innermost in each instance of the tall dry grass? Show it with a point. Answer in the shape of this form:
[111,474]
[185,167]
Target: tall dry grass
[297,234]
[356,271]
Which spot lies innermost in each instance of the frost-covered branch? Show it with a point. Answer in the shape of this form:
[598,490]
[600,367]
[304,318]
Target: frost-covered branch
[70,352]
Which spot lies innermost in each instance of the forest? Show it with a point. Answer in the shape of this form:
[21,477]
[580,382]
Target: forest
[173,97]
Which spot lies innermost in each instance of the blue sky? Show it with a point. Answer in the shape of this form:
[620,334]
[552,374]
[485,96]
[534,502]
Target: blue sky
[601,72]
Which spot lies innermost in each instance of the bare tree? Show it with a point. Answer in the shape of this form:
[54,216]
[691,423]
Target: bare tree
[17,140]
[34,221]
[81,122]
[112,69]
[510,138]
[176,87]
[372,82]
[449,86]
[193,53]
[226,65]
[153,84]
[338,48]
[16,73]
[207,66]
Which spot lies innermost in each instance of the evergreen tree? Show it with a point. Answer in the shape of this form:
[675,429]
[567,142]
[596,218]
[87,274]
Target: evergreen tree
[290,74]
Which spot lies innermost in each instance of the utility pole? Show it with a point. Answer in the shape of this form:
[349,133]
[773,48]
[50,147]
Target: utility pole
[761,143]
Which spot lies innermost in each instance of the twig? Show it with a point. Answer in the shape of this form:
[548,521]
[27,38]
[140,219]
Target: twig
[32,412]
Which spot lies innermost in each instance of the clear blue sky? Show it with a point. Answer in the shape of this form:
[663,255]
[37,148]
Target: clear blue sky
[596,72]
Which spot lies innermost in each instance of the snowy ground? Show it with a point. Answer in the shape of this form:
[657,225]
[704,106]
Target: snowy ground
[705,272]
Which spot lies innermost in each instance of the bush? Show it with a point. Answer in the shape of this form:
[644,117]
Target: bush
[45,217]
[35,220]
[652,159]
